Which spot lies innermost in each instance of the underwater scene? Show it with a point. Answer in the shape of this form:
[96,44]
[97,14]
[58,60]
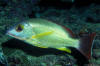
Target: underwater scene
[49,33]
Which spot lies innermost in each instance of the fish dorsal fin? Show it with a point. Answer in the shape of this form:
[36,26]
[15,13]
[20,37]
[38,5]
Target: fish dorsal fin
[85,46]
[66,28]
[64,49]
[69,31]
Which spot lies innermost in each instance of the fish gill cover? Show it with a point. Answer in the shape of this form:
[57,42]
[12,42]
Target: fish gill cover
[78,15]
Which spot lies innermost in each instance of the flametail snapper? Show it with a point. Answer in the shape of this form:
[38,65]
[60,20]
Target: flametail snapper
[46,34]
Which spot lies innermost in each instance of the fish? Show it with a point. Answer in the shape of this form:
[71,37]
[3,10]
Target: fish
[44,33]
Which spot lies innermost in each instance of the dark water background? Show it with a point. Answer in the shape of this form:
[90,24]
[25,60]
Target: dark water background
[78,15]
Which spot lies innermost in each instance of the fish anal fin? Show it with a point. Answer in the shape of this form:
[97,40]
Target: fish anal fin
[85,46]
[64,49]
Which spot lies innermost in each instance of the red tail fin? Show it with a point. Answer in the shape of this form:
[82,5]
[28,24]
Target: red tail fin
[86,41]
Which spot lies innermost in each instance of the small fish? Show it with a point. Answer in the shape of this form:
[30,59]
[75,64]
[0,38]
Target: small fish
[46,34]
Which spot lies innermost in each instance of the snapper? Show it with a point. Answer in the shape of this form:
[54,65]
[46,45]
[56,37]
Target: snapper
[46,34]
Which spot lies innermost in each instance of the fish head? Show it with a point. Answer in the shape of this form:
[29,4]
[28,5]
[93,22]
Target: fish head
[20,31]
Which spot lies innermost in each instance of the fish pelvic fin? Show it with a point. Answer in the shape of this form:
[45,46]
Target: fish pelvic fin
[86,42]
[42,47]
[64,49]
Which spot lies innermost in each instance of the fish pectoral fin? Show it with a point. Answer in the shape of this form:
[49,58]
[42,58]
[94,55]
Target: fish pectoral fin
[64,49]
[42,34]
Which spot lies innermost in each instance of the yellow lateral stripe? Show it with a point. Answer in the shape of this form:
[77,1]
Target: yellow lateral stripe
[42,34]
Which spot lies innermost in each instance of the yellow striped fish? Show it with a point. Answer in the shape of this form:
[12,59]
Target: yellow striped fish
[46,34]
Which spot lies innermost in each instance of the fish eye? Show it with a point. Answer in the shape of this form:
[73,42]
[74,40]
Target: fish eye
[19,28]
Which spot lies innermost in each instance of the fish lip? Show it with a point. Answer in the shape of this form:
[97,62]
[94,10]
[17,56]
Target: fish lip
[15,36]
[10,34]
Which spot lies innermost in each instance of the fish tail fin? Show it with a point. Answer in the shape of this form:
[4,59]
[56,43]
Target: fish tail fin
[85,46]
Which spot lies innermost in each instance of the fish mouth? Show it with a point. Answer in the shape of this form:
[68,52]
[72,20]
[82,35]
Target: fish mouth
[12,35]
